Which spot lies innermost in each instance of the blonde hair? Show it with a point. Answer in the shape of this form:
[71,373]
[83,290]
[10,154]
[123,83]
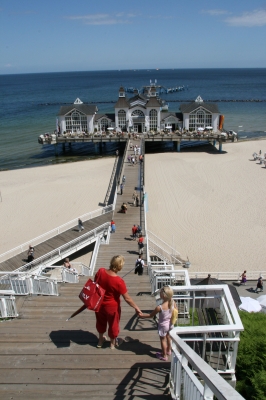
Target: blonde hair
[117,263]
[168,295]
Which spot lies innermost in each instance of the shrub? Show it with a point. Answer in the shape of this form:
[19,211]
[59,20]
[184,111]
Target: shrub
[251,359]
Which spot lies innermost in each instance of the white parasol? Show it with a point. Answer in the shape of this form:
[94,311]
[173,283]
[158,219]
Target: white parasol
[200,129]
[262,301]
[209,127]
[250,305]
[110,128]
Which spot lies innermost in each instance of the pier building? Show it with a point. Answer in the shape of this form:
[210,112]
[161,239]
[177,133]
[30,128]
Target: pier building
[141,113]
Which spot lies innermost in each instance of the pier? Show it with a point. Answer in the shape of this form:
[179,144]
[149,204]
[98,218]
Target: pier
[43,356]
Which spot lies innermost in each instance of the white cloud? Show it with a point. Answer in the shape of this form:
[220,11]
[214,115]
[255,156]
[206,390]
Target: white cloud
[249,19]
[103,19]
[215,12]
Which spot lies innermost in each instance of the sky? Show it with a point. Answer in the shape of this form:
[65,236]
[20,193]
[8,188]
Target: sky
[87,35]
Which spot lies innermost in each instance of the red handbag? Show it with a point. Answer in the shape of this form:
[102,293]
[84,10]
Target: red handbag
[92,295]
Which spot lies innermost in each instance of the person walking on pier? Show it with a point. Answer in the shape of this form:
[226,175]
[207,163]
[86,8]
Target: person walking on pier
[139,265]
[110,310]
[113,226]
[80,225]
[141,244]
[137,200]
[134,195]
[30,254]
[121,188]
[134,232]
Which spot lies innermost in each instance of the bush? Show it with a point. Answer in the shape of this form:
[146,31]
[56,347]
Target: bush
[251,359]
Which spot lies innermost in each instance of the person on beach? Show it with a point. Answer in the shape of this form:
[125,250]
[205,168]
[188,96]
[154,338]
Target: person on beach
[259,284]
[110,310]
[139,265]
[134,231]
[165,311]
[80,225]
[243,278]
[113,227]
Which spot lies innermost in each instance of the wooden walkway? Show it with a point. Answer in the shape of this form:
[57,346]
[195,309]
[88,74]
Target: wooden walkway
[43,248]
[45,357]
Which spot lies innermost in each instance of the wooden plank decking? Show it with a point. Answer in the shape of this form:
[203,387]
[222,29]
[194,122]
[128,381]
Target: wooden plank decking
[45,357]
[53,243]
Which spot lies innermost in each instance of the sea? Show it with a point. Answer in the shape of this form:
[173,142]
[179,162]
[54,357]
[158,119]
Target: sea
[30,104]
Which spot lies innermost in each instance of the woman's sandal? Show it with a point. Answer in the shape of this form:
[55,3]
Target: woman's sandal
[99,345]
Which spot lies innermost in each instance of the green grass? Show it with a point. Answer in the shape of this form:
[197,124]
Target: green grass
[251,359]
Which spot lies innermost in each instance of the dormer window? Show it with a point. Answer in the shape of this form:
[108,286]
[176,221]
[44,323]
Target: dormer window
[121,92]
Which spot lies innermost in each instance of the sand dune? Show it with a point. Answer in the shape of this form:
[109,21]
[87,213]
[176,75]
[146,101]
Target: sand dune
[211,206]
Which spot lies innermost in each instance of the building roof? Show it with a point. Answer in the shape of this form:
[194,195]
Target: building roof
[110,117]
[189,107]
[165,115]
[83,108]
[122,102]
[153,102]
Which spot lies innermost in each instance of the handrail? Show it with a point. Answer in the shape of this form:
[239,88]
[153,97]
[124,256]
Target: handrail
[170,249]
[122,164]
[111,181]
[60,251]
[214,384]
[54,232]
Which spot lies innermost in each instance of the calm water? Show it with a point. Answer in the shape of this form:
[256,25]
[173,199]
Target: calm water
[30,103]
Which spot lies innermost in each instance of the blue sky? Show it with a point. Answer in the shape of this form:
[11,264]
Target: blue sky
[81,35]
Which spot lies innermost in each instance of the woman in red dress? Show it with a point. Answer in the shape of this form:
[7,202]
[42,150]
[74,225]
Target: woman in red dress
[110,311]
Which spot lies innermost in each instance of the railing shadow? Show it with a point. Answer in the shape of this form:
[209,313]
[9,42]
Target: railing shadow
[143,380]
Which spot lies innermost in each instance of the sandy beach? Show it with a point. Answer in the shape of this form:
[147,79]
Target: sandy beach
[37,200]
[211,206]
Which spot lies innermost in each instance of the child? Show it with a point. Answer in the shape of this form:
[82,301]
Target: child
[165,311]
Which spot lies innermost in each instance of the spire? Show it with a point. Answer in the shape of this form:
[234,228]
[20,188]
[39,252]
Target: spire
[122,92]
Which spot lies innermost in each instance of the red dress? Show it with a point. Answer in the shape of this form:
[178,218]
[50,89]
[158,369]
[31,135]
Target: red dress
[110,310]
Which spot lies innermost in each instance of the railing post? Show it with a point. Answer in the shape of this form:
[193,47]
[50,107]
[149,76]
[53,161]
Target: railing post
[208,395]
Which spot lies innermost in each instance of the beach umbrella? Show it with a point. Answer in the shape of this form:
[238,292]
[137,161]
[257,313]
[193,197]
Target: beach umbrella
[209,127]
[82,308]
[200,129]
[262,301]
[110,128]
[250,305]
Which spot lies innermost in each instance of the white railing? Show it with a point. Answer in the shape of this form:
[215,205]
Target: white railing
[228,276]
[69,276]
[63,251]
[54,232]
[217,337]
[8,307]
[162,278]
[23,285]
[199,383]
[162,249]
[44,286]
